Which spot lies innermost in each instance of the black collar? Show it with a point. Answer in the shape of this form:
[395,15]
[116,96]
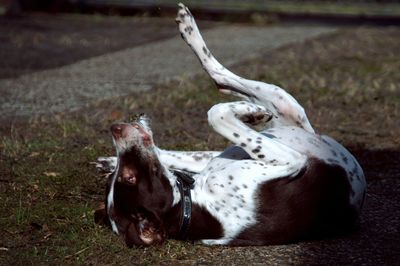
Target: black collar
[185,183]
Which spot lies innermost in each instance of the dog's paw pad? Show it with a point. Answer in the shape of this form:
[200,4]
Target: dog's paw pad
[256,118]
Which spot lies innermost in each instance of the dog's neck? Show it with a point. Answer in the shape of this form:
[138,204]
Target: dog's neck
[202,225]
[172,217]
[176,196]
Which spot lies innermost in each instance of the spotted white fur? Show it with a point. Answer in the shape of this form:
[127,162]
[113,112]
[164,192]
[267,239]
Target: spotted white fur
[289,125]
[227,189]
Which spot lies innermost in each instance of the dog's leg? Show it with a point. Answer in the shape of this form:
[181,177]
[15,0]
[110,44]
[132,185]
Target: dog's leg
[191,161]
[230,119]
[286,110]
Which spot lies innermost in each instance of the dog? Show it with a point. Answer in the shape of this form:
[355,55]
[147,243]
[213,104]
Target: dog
[279,183]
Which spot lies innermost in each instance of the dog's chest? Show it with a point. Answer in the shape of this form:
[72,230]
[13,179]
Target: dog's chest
[228,189]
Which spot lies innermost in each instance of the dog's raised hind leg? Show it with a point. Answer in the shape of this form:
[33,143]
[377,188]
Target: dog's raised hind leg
[285,109]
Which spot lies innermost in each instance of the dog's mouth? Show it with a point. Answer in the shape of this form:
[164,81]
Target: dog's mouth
[128,179]
[128,175]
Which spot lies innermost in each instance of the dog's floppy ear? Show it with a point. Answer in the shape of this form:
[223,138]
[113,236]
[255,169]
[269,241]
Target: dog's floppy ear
[146,230]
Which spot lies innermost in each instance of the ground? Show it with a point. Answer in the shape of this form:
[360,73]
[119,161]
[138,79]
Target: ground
[348,82]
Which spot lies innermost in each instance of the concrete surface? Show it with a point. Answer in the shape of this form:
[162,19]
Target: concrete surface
[139,68]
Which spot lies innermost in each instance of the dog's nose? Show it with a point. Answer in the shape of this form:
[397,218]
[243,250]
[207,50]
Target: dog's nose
[116,130]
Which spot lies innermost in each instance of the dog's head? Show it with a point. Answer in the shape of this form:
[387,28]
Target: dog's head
[141,192]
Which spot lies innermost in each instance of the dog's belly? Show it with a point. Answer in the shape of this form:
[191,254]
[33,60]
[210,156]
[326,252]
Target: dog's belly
[312,145]
[228,186]
[321,147]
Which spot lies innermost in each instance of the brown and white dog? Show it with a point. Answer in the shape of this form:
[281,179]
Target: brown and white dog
[278,184]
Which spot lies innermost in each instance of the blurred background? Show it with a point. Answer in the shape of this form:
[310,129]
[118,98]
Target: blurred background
[64,31]
[349,7]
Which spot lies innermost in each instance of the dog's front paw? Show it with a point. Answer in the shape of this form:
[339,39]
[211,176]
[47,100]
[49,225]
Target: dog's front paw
[106,164]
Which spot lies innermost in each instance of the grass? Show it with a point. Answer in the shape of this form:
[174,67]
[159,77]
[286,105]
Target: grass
[348,83]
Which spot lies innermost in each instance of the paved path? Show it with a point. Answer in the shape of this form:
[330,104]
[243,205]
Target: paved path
[74,86]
